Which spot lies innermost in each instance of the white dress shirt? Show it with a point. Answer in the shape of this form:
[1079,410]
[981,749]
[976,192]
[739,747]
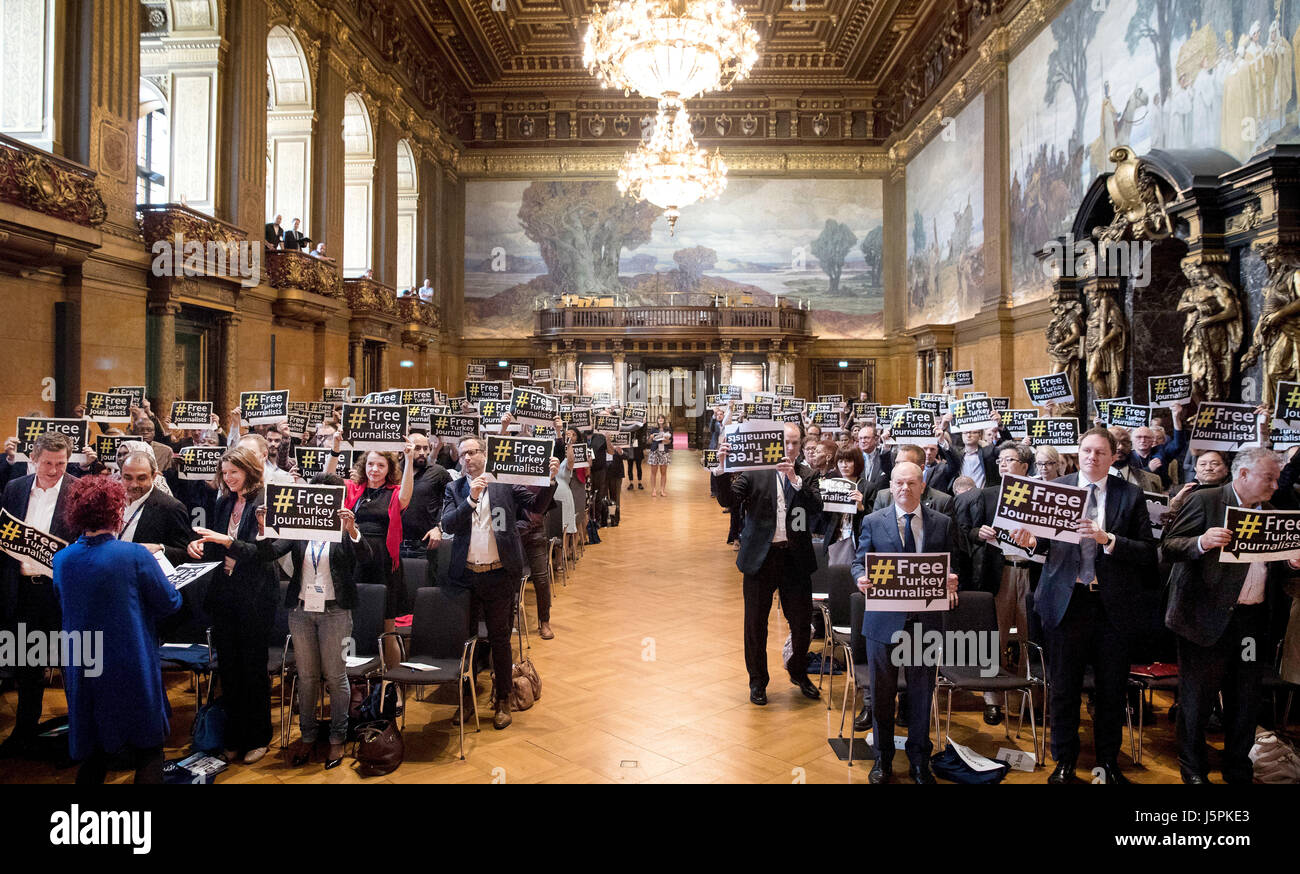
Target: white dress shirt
[917,528]
[1101,508]
[972,465]
[482,540]
[1253,587]
[780,536]
[132,516]
[317,581]
[40,514]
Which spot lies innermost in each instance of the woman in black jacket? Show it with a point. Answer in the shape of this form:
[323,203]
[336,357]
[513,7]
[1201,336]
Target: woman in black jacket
[241,604]
[837,526]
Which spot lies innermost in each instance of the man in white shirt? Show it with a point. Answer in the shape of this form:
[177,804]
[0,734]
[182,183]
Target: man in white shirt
[487,557]
[29,596]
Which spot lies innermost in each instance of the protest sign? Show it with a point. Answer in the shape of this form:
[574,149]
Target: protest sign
[1261,535]
[542,374]
[1101,407]
[1157,509]
[108,408]
[934,405]
[492,413]
[864,410]
[1049,388]
[419,417]
[475,371]
[906,582]
[975,414]
[1017,421]
[522,461]
[134,392]
[264,407]
[530,406]
[756,410]
[581,456]
[785,390]
[311,461]
[521,372]
[454,425]
[709,458]
[1000,404]
[793,405]
[607,424]
[417,397]
[21,541]
[1045,509]
[576,417]
[1174,388]
[1016,552]
[105,446]
[335,394]
[1130,416]
[959,378]
[302,512]
[835,493]
[968,395]
[756,445]
[833,400]
[566,386]
[734,392]
[1059,432]
[913,426]
[482,390]
[379,427]
[182,575]
[76,430]
[200,462]
[827,420]
[620,439]
[1223,427]
[194,415]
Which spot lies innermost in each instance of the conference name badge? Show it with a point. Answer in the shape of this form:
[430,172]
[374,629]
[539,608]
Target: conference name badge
[375,427]
[1261,535]
[303,512]
[1045,509]
[906,582]
[1048,388]
[520,461]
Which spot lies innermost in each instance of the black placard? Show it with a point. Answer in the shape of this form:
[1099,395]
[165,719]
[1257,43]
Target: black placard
[620,440]
[576,417]
[785,390]
[752,410]
[522,461]
[718,400]
[835,491]
[192,415]
[311,460]
[1049,388]
[108,407]
[709,458]
[1261,535]
[634,415]
[607,424]
[1101,406]
[1157,508]
[581,455]
[264,407]
[1059,432]
[1045,509]
[1001,404]
[475,371]
[1129,416]
[21,541]
[1286,405]
[793,405]
[297,422]
[833,400]
[76,430]
[200,462]
[542,374]
[302,512]
[1173,388]
[1017,421]
[521,372]
[418,417]
[530,406]
[864,410]
[105,446]
[424,397]
[934,405]
[959,378]
[906,582]
[753,445]
[566,386]
[482,390]
[973,414]
[492,413]
[968,395]
[380,427]
[135,392]
[913,426]
[335,394]
[390,398]
[1223,427]
[827,420]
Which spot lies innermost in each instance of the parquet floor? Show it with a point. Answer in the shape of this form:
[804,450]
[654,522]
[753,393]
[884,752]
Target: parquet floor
[644,683]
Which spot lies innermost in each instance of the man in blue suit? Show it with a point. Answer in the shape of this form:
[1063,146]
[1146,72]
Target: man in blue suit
[906,526]
[1089,601]
[487,556]
[29,597]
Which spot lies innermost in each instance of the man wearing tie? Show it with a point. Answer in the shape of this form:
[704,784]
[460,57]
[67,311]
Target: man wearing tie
[776,555]
[29,596]
[906,526]
[1089,602]
[294,239]
[487,556]
[876,463]
[1220,612]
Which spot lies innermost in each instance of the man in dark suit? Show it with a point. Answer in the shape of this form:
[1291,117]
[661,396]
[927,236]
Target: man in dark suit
[487,556]
[29,597]
[980,463]
[776,555]
[1089,601]
[275,233]
[933,498]
[1009,580]
[907,526]
[294,239]
[876,463]
[1220,612]
[598,448]
[152,518]
[420,532]
[935,471]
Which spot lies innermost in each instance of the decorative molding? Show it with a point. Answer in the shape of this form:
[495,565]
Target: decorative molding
[553,162]
[54,186]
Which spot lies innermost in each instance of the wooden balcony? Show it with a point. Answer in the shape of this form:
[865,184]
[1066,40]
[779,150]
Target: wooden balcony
[199,245]
[695,322]
[374,307]
[420,320]
[301,282]
[50,209]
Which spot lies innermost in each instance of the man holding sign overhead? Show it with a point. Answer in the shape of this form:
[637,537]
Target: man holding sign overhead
[1220,611]
[1089,602]
[780,502]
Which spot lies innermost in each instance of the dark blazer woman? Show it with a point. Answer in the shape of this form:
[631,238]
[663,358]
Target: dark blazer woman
[241,605]
[344,557]
[828,526]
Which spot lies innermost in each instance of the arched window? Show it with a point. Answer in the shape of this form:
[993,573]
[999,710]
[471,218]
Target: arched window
[290,110]
[358,185]
[153,146]
[408,204]
[29,71]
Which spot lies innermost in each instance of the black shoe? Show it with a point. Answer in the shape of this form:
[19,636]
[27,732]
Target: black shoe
[1193,779]
[807,687]
[862,722]
[1112,774]
[631,486]
[881,772]
[758,696]
[992,714]
[1064,773]
[641,487]
[921,773]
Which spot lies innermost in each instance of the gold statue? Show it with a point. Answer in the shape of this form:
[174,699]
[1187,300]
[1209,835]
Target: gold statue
[1277,333]
[1065,342]
[1212,331]
[1105,343]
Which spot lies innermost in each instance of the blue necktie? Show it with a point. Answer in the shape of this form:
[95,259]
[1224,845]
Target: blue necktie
[1088,546]
[909,539]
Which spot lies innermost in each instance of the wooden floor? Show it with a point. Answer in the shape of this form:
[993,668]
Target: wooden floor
[644,682]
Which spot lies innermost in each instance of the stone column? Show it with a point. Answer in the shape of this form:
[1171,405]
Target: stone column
[570,365]
[894,248]
[356,347]
[241,145]
[166,356]
[620,377]
[327,192]
[385,356]
[724,368]
[997,211]
[920,373]
[229,381]
[773,370]
[384,238]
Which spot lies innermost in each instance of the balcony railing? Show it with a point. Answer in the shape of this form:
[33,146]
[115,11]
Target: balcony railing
[693,320]
[45,183]
[222,249]
[287,269]
[368,297]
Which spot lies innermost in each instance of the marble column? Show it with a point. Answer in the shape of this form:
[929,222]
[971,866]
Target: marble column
[165,353]
[356,348]
[383,359]
[620,377]
[724,368]
[327,192]
[773,370]
[241,144]
[229,381]
[384,239]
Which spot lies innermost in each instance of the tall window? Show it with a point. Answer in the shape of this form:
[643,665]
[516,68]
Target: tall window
[408,199]
[358,186]
[28,70]
[290,111]
[152,147]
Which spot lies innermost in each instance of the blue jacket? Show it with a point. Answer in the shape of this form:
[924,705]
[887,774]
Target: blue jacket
[879,533]
[117,590]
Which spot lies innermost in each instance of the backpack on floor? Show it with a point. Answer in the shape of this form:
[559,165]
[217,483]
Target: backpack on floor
[1275,760]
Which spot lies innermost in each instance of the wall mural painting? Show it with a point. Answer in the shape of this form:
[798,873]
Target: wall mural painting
[1150,74]
[816,241]
[945,227]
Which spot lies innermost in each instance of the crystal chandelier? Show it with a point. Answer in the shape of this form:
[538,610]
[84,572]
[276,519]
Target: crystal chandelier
[670,170]
[670,48]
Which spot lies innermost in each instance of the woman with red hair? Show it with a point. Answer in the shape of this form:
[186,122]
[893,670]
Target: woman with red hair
[112,594]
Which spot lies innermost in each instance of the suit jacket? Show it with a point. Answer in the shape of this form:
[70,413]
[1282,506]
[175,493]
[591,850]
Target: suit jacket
[163,519]
[253,578]
[988,455]
[985,560]
[940,477]
[880,534]
[274,234]
[1120,575]
[1142,478]
[17,494]
[756,492]
[295,240]
[1203,591]
[458,518]
[599,446]
[933,498]
[344,558]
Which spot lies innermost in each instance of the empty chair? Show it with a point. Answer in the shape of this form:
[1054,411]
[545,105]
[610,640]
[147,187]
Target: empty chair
[187,640]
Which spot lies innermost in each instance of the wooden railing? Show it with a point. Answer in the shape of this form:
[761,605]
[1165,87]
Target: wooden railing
[675,319]
[43,182]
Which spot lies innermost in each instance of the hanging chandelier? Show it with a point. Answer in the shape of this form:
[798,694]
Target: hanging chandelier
[670,170]
[670,48]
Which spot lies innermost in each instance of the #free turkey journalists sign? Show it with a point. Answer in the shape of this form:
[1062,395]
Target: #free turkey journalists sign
[296,512]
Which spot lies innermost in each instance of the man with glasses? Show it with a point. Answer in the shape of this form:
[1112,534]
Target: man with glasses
[1211,470]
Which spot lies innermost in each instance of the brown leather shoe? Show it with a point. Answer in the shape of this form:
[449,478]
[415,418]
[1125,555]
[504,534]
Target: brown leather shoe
[502,718]
[544,631]
[466,712]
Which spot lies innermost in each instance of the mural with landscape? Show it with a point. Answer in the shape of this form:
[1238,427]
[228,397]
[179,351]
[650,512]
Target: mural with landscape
[945,228]
[815,242]
[1150,74]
